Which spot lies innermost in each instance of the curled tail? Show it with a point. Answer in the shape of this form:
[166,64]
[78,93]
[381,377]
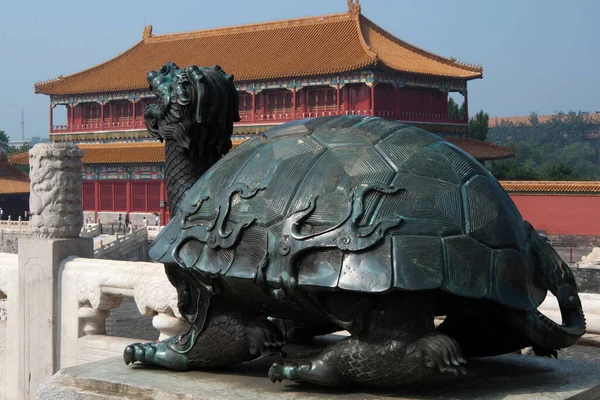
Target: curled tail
[558,278]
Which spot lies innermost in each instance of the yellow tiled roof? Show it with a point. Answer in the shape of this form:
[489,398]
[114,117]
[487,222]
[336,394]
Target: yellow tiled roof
[123,153]
[481,150]
[114,153]
[12,180]
[552,187]
[314,46]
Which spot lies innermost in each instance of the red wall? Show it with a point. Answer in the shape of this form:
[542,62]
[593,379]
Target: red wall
[577,215]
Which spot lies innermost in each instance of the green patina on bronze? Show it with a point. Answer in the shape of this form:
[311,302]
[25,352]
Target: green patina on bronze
[353,223]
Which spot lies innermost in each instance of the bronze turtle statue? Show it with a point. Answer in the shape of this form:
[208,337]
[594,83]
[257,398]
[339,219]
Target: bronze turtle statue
[341,223]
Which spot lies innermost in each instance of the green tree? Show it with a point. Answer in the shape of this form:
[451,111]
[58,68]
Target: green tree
[478,126]
[562,172]
[3,141]
[18,149]
[454,111]
[512,171]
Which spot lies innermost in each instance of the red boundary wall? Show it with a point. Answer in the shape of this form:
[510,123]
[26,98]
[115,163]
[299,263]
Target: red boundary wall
[561,214]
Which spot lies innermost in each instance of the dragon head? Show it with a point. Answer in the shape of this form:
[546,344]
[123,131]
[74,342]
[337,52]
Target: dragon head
[193,103]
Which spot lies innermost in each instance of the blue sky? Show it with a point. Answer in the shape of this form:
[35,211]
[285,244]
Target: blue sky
[538,55]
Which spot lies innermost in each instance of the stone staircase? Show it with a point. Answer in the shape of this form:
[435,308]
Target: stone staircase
[131,246]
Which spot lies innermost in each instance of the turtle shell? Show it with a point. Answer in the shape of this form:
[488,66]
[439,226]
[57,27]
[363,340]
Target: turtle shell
[356,204]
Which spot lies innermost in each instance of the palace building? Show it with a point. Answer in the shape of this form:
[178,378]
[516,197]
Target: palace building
[339,64]
[14,190]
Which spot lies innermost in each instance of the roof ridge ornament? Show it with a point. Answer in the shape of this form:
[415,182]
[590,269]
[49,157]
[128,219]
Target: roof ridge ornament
[354,7]
[147,32]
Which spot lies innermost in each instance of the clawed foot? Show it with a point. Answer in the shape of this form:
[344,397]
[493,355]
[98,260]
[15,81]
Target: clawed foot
[281,370]
[264,338]
[159,353]
[544,351]
[441,351]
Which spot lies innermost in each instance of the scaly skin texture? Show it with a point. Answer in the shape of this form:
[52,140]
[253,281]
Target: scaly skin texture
[397,346]
[546,334]
[229,337]
[181,173]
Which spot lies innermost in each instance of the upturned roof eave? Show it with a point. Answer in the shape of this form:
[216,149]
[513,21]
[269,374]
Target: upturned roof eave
[40,87]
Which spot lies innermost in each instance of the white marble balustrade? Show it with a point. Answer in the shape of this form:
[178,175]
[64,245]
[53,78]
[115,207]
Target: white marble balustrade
[93,287]
[8,346]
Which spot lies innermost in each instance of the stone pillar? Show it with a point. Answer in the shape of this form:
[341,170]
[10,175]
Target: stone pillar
[56,220]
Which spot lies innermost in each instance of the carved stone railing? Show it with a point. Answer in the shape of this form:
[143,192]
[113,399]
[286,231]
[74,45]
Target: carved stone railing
[9,264]
[153,231]
[90,230]
[121,242]
[17,225]
[92,288]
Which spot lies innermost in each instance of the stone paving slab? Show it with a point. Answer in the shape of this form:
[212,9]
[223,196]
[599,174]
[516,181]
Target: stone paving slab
[507,377]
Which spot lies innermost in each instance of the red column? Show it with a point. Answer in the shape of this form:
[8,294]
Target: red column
[263,103]
[397,98]
[72,119]
[163,196]
[253,106]
[337,98]
[96,198]
[466,105]
[102,116]
[128,195]
[114,198]
[111,111]
[294,101]
[372,98]
[133,115]
[51,119]
[302,102]
[346,95]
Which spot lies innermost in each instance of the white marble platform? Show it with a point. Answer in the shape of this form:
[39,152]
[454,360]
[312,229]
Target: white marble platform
[506,377]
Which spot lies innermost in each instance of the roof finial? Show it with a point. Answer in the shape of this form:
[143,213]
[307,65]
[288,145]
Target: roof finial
[147,32]
[354,7]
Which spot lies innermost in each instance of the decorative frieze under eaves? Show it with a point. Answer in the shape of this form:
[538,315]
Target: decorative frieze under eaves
[367,77]
[141,171]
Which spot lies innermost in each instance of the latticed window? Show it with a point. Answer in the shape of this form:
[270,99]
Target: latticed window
[123,110]
[245,102]
[322,99]
[120,190]
[138,194]
[106,196]
[153,190]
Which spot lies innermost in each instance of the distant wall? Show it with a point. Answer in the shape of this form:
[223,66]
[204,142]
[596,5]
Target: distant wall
[561,215]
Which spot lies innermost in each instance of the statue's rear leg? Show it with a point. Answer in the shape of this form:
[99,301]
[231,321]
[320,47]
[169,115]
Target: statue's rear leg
[398,345]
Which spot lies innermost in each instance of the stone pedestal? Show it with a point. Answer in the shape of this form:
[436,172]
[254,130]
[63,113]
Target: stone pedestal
[505,377]
[37,331]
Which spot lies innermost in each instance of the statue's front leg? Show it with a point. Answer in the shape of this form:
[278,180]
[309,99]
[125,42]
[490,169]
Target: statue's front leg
[228,337]
[218,335]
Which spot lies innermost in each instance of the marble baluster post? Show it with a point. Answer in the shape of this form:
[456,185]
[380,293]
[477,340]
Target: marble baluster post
[56,220]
